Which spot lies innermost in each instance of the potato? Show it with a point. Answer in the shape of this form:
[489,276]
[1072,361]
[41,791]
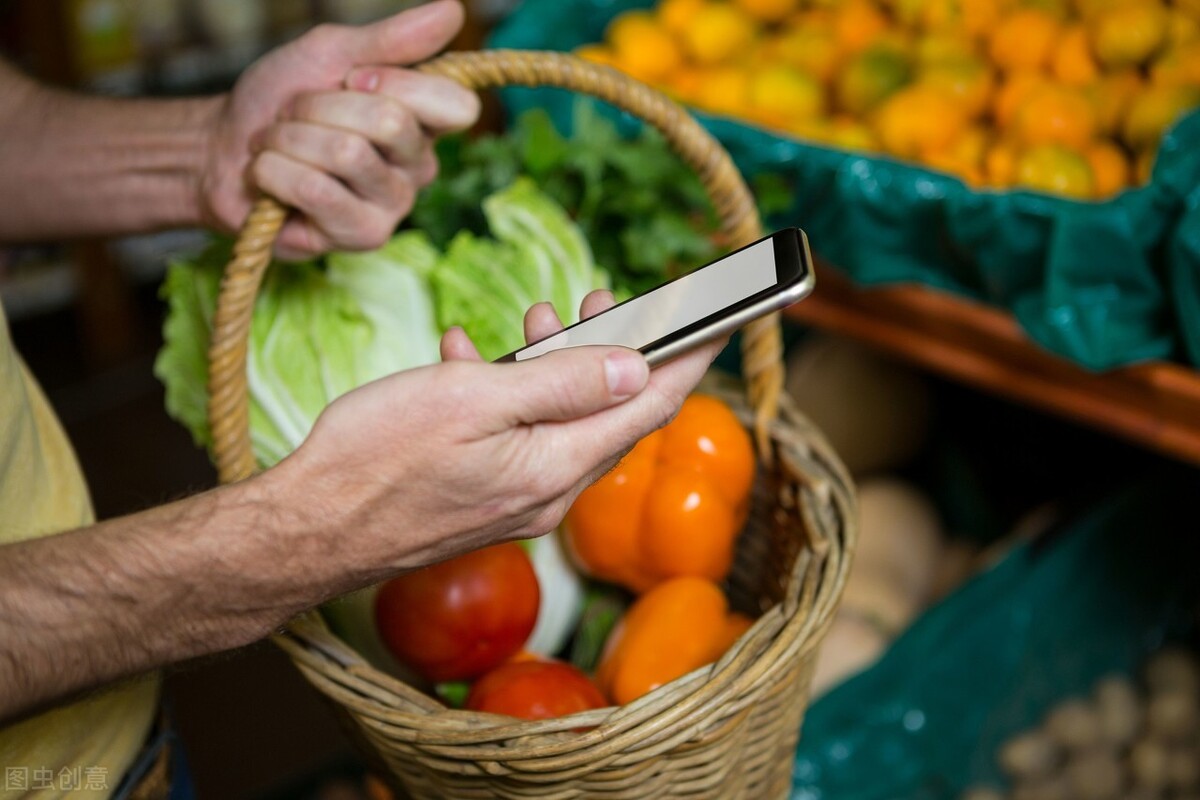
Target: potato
[1032,754]
[1051,788]
[1148,765]
[874,411]
[1172,714]
[1074,724]
[851,645]
[1119,710]
[875,595]
[1173,669]
[1183,767]
[982,793]
[900,536]
[1095,775]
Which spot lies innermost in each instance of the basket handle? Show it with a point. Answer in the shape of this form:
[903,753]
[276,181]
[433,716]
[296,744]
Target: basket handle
[229,402]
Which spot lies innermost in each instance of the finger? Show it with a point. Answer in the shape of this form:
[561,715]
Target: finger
[609,432]
[567,385]
[595,302]
[384,122]
[456,345]
[347,156]
[343,219]
[439,104]
[407,37]
[541,320]
[300,240]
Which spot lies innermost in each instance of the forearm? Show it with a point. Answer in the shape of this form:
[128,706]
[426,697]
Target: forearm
[72,165]
[213,572]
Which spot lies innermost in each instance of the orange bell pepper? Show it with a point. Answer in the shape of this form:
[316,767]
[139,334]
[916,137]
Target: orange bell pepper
[673,506]
[676,627]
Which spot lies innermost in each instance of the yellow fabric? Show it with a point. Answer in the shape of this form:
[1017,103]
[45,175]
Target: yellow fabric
[42,492]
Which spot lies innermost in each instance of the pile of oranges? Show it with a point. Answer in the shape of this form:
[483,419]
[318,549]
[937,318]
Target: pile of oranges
[1069,97]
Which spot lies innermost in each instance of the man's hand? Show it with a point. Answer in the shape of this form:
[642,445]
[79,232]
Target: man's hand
[413,468]
[332,126]
[430,463]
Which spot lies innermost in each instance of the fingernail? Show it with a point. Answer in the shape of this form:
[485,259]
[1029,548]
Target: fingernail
[363,80]
[626,372]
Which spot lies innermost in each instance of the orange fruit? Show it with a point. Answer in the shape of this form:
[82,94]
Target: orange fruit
[642,47]
[1155,110]
[850,134]
[780,95]
[963,157]
[979,17]
[1012,93]
[676,15]
[768,10]
[1129,34]
[940,15]
[809,48]
[1073,62]
[1055,169]
[1054,114]
[917,119]
[1000,164]
[857,24]
[718,32]
[869,78]
[1111,97]
[966,18]
[685,83]
[1179,66]
[1089,9]
[724,90]
[1024,40]
[597,54]
[938,47]
[969,81]
[1110,168]
[1189,7]
[1144,168]
[908,13]
[1182,28]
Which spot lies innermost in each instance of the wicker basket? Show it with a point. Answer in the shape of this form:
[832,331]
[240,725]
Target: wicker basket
[727,730]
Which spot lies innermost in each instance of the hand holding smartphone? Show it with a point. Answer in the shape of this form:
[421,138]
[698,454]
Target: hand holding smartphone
[707,303]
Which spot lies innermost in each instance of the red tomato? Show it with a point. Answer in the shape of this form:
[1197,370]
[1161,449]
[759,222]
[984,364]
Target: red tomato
[458,619]
[535,690]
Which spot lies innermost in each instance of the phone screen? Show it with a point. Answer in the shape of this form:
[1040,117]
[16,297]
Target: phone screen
[674,306]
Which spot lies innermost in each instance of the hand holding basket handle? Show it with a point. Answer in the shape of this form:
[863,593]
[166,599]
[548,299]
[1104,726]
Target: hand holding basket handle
[727,730]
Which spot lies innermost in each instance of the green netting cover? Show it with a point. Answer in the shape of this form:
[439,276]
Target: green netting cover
[1049,620]
[1103,284]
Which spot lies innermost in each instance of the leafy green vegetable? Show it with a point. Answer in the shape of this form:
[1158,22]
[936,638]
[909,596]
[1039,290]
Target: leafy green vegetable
[602,610]
[644,213]
[321,328]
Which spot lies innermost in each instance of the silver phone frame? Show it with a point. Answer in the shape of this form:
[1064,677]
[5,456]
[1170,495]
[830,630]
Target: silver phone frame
[727,325]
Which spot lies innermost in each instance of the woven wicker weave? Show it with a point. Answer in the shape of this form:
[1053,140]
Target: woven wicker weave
[727,730]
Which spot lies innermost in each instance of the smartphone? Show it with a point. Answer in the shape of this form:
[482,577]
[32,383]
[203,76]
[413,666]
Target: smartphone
[695,308]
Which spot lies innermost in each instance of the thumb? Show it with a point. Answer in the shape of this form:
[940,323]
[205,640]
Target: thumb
[570,383]
[407,37]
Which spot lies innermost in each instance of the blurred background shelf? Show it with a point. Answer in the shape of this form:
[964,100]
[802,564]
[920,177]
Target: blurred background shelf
[1156,405]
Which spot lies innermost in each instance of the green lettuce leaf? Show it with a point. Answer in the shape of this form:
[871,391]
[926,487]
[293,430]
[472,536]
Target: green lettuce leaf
[322,328]
[538,254]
